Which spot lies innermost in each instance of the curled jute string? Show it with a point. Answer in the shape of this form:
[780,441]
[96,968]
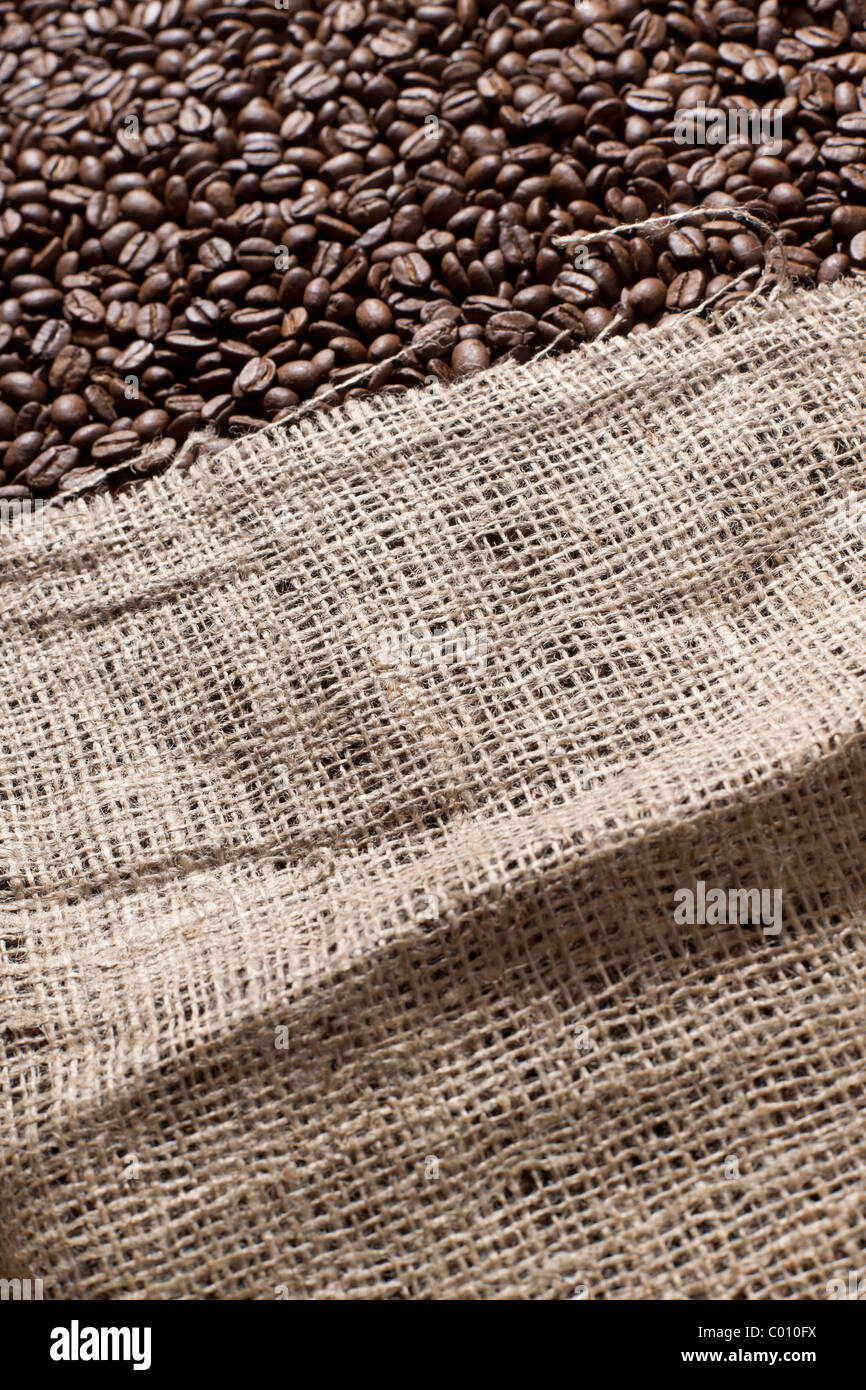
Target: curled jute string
[780,276]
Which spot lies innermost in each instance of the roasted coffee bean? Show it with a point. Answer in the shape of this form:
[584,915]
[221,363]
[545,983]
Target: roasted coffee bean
[150,423]
[84,438]
[69,412]
[19,387]
[301,377]
[70,369]
[469,355]
[140,206]
[517,246]
[746,250]
[647,297]
[83,308]
[433,339]
[511,329]
[135,357]
[688,246]
[833,268]
[255,377]
[411,271]
[138,253]
[117,446]
[50,339]
[21,452]
[686,291]
[102,211]
[317,294]
[215,254]
[373,316]
[152,322]
[856,251]
[120,316]
[47,469]
[100,403]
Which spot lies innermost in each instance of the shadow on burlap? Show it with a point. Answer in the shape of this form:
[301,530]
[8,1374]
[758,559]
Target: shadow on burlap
[346,786]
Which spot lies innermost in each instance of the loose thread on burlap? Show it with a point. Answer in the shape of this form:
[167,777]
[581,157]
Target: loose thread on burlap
[780,277]
[617,320]
[672,219]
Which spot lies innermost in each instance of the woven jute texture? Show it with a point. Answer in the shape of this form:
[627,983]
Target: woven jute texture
[346,786]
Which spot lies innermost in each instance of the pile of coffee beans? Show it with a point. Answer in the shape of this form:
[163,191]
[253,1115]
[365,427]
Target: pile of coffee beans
[211,214]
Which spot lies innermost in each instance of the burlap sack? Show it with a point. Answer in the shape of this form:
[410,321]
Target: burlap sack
[347,785]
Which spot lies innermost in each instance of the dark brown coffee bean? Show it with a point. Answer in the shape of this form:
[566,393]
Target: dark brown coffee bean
[102,211]
[83,308]
[83,439]
[842,149]
[787,199]
[150,423]
[152,322]
[511,329]
[563,321]
[79,480]
[69,412]
[517,246]
[18,387]
[833,268]
[647,297]
[70,369]
[230,284]
[746,250]
[373,316]
[649,101]
[688,246]
[470,355]
[534,300]
[49,340]
[47,469]
[140,206]
[434,339]
[100,404]
[255,377]
[317,294]
[768,171]
[215,254]
[120,316]
[117,446]
[345,346]
[846,220]
[135,357]
[686,291]
[301,377]
[32,416]
[138,252]
[21,452]
[411,271]
[760,68]
[257,255]
[856,251]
